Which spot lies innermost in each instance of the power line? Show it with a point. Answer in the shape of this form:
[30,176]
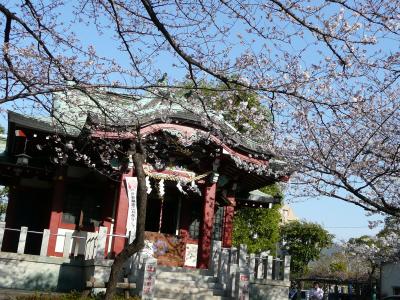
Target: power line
[346,226]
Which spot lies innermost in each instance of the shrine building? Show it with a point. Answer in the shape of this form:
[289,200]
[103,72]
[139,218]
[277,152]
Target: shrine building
[63,178]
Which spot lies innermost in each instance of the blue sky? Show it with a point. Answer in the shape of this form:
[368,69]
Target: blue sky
[342,219]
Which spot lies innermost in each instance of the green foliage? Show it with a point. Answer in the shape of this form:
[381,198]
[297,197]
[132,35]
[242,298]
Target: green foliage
[274,190]
[3,192]
[362,240]
[337,266]
[2,129]
[236,94]
[304,242]
[3,208]
[392,226]
[3,200]
[261,223]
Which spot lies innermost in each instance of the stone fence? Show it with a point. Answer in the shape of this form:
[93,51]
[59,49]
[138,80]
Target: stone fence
[242,275]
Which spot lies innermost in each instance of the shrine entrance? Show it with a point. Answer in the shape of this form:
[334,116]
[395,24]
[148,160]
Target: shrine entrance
[163,214]
[172,220]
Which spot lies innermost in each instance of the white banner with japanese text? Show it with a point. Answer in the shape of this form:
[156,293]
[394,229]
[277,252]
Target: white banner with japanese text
[131,188]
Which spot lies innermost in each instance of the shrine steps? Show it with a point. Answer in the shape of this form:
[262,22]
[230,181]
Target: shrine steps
[192,284]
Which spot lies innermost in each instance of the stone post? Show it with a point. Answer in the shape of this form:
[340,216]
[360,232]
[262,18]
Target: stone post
[233,269]
[286,268]
[233,256]
[223,267]
[252,266]
[67,244]
[101,244]
[260,267]
[269,267]
[277,269]
[214,259]
[22,240]
[242,256]
[242,284]
[2,229]
[45,242]
[149,279]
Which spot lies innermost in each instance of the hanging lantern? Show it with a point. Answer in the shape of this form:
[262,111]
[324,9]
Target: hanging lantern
[23,159]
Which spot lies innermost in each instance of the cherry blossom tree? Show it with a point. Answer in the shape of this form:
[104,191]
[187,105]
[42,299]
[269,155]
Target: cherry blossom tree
[326,71]
[373,251]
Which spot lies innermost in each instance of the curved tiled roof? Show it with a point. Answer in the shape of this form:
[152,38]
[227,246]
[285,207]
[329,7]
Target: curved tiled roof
[154,113]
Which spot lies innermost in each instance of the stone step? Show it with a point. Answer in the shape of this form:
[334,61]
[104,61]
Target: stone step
[194,297]
[190,293]
[185,277]
[200,283]
[188,289]
[183,283]
[163,269]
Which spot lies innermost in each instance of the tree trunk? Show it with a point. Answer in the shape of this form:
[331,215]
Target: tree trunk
[138,243]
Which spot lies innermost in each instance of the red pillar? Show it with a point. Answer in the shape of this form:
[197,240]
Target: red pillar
[56,209]
[107,211]
[204,250]
[184,220]
[121,215]
[228,223]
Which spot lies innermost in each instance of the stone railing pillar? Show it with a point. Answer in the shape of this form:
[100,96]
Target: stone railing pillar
[242,256]
[252,266]
[286,268]
[242,284]
[233,269]
[2,229]
[214,258]
[45,242]
[149,279]
[101,242]
[261,267]
[22,240]
[269,267]
[277,269]
[223,268]
[67,244]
